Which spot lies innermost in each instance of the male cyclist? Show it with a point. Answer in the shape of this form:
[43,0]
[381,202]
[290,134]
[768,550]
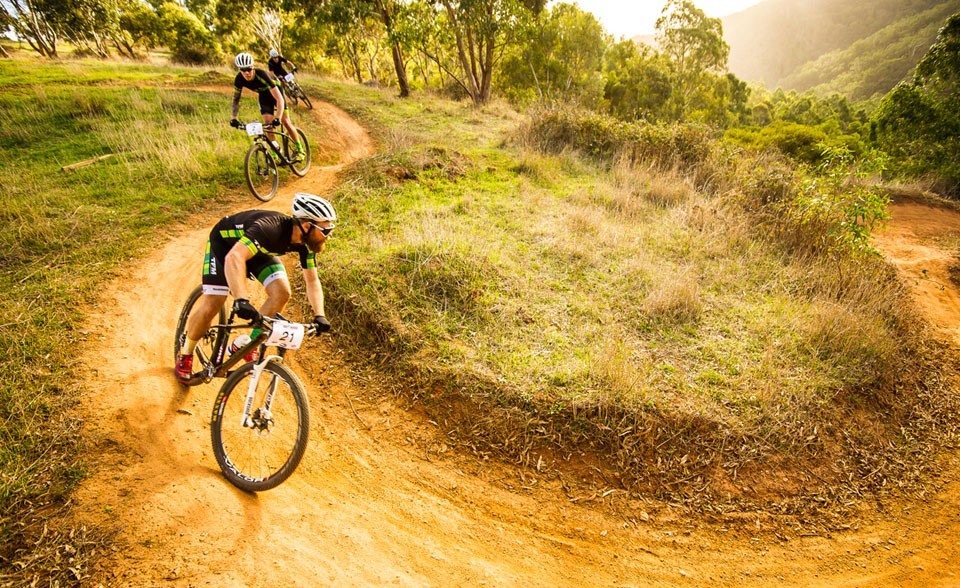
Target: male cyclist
[248,244]
[276,66]
[272,104]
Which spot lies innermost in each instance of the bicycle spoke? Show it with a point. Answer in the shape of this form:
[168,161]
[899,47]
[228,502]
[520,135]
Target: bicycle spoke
[266,448]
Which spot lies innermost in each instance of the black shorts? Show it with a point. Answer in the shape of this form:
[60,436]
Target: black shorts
[268,104]
[262,267]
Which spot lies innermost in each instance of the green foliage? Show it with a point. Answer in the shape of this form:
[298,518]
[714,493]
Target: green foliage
[603,137]
[803,143]
[560,59]
[694,43]
[186,36]
[637,82]
[836,203]
[918,123]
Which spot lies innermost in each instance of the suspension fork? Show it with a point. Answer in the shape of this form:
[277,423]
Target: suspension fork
[246,419]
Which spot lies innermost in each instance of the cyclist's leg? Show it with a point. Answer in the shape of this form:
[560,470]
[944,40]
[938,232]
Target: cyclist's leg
[271,273]
[215,288]
[199,321]
[288,124]
[267,107]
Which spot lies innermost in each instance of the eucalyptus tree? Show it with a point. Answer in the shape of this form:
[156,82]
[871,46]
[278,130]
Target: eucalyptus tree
[918,122]
[360,30]
[35,21]
[694,43]
[481,30]
[637,82]
[560,57]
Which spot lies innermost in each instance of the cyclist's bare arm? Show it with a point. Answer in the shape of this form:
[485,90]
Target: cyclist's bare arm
[235,269]
[314,290]
[236,103]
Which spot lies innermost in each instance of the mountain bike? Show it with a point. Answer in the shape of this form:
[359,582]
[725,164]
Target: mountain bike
[294,92]
[264,157]
[261,416]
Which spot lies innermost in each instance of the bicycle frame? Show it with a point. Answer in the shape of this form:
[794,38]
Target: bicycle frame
[285,137]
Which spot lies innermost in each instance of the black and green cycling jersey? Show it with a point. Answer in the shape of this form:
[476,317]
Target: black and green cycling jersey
[262,83]
[266,234]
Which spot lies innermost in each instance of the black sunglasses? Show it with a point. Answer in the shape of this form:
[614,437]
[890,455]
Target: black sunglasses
[326,230]
[245,69]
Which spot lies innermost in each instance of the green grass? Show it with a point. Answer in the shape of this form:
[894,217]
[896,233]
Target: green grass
[657,318]
[65,233]
[620,306]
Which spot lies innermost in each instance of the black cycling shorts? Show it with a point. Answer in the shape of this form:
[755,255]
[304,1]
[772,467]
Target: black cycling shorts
[262,267]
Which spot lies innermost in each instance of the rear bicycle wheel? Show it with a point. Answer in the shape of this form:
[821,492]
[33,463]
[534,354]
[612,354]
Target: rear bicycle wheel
[262,452]
[212,342]
[303,97]
[261,171]
[301,167]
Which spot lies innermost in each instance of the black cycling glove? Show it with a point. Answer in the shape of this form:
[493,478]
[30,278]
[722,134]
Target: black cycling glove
[243,309]
[235,123]
[322,324]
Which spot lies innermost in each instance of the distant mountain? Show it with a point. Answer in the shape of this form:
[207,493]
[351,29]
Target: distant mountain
[859,48]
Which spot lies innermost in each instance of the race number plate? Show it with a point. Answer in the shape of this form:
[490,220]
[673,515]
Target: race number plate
[254,129]
[286,335]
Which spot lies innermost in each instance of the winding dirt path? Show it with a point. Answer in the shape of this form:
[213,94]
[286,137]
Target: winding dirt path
[380,501]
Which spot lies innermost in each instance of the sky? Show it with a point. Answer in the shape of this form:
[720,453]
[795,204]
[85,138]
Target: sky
[628,18]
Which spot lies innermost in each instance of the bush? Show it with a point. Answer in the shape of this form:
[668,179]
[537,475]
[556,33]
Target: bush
[189,41]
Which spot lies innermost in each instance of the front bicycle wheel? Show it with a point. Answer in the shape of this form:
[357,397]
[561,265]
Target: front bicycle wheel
[291,95]
[261,171]
[260,451]
[301,166]
[212,341]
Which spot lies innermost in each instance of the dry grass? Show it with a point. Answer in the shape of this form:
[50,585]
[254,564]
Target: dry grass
[656,317]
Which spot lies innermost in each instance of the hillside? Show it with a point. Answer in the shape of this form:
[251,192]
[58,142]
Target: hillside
[856,47]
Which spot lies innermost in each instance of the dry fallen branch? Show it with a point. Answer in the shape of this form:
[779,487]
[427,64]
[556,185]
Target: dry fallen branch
[86,162]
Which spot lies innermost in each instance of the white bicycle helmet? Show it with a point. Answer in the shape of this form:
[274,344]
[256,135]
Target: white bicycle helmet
[274,53]
[314,208]
[244,60]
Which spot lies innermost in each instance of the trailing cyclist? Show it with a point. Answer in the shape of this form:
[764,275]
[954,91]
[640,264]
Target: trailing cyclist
[276,66]
[249,244]
[272,103]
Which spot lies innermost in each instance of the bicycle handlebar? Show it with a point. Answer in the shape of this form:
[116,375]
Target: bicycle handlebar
[308,328]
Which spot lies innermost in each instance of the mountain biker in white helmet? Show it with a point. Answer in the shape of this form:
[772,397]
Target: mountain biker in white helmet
[272,103]
[248,244]
[276,66]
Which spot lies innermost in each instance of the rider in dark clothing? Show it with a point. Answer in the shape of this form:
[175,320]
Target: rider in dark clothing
[248,244]
[272,103]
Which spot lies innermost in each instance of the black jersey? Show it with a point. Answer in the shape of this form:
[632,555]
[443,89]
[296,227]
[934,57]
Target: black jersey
[263,232]
[263,81]
[276,67]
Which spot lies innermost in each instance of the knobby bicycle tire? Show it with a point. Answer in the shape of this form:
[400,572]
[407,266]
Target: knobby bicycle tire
[257,458]
[291,95]
[301,168]
[261,171]
[303,97]
[212,340]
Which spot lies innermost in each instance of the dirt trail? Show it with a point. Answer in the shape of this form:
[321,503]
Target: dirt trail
[379,501]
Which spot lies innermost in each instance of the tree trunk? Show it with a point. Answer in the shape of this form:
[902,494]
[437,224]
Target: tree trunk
[398,63]
[472,85]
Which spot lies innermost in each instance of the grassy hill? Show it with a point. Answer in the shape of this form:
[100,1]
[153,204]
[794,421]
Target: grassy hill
[643,306]
[860,48]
